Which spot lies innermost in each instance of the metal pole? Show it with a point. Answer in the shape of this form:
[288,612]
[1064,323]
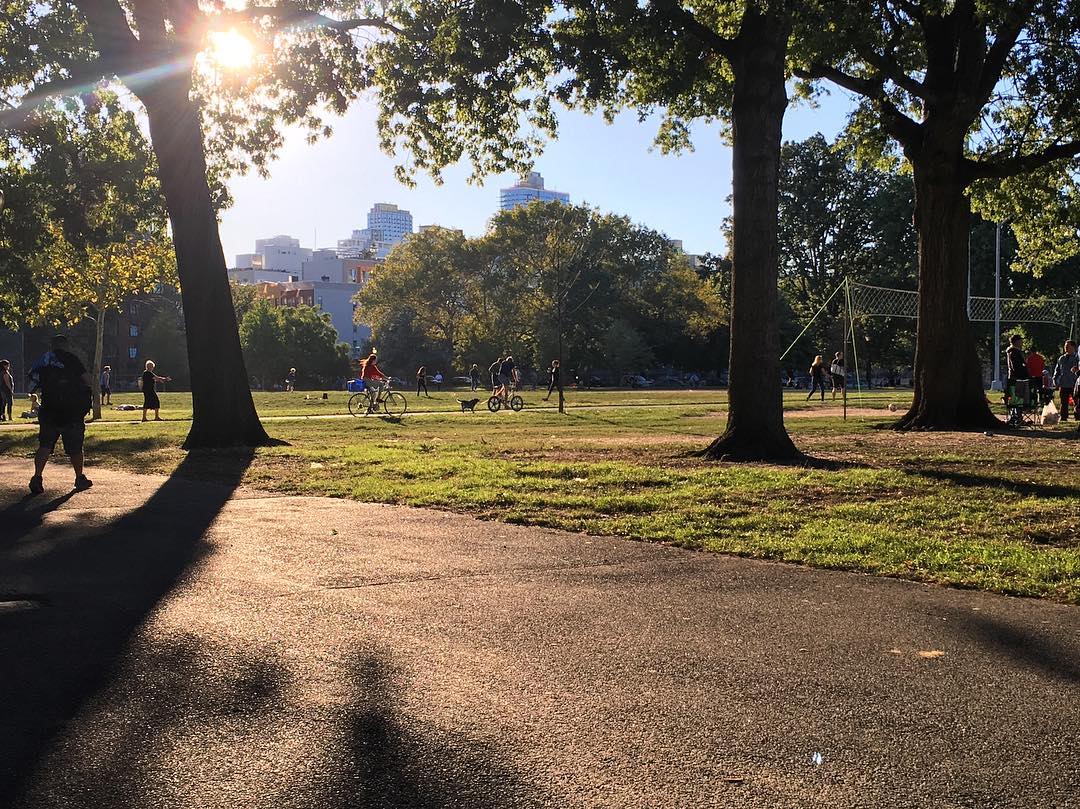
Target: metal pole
[996,385]
[847,329]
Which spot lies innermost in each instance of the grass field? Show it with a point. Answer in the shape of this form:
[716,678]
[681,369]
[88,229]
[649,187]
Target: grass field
[996,512]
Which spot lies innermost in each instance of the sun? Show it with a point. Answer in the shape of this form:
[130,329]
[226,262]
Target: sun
[230,49]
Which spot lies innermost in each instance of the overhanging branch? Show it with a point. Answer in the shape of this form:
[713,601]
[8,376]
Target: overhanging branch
[1011,166]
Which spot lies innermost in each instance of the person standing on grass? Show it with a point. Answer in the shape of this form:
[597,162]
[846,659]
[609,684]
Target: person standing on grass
[836,373]
[65,390]
[290,381]
[421,381]
[149,391]
[554,375]
[474,376]
[817,378]
[7,391]
[1065,378]
[493,372]
[1018,380]
[105,384]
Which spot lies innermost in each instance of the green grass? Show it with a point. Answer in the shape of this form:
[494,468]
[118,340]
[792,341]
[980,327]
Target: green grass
[998,513]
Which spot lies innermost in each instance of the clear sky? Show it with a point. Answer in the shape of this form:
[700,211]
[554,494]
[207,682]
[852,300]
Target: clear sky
[324,190]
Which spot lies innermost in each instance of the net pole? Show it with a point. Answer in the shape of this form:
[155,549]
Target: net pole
[854,351]
[847,328]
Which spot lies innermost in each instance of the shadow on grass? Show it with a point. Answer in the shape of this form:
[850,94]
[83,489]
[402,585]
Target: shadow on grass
[1054,656]
[95,582]
[1021,488]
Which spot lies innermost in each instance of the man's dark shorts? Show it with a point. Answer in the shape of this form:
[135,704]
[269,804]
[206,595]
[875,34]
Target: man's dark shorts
[72,433]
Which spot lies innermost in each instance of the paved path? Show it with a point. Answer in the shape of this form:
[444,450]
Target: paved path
[170,643]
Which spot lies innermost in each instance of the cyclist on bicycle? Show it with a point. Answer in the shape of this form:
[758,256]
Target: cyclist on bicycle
[507,377]
[372,377]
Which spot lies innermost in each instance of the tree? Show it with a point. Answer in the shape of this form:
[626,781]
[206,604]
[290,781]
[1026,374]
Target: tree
[978,96]
[544,274]
[159,50]
[427,276]
[104,223]
[842,221]
[276,338]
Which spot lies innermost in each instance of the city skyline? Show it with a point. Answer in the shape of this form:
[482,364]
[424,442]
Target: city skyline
[319,193]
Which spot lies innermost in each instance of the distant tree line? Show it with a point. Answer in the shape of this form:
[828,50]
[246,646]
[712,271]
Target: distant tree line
[619,296]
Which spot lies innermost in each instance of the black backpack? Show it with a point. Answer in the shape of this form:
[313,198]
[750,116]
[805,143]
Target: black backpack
[64,396]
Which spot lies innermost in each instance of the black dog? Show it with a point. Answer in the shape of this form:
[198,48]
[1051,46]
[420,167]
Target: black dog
[468,404]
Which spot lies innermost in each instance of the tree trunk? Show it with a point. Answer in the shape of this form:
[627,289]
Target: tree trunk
[223,411]
[95,366]
[949,392]
[755,425]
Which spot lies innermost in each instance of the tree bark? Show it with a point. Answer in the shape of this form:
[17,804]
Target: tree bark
[223,410]
[95,369]
[949,392]
[755,425]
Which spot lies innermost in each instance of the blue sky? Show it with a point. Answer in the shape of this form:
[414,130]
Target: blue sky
[327,188]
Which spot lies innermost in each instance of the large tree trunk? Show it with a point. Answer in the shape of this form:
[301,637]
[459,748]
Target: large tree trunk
[755,425]
[223,411]
[95,369]
[949,392]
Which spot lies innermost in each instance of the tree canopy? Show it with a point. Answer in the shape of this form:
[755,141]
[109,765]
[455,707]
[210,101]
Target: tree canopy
[629,299]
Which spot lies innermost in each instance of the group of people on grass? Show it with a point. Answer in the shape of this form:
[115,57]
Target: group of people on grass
[1029,380]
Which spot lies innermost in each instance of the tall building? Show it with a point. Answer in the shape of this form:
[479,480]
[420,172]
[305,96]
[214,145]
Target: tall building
[387,225]
[527,189]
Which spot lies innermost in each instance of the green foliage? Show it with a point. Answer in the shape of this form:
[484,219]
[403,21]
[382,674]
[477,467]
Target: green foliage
[983,95]
[840,221]
[277,338]
[443,299]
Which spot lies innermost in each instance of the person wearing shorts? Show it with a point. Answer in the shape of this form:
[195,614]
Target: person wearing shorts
[506,377]
[65,387]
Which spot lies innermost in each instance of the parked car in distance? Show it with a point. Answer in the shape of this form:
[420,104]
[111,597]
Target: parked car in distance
[462,380]
[636,381]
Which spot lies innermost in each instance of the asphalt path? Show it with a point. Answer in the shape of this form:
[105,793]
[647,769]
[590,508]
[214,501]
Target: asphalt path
[174,643]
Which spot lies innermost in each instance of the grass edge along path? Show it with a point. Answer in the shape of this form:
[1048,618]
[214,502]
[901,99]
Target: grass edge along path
[895,515]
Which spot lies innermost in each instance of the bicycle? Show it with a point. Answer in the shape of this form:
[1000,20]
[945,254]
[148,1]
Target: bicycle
[393,403]
[513,401]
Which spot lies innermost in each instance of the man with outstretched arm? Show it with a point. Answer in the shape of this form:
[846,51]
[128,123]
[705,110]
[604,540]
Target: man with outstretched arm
[65,400]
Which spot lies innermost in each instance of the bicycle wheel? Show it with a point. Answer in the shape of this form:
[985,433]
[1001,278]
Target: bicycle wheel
[395,404]
[358,404]
[516,403]
[494,403]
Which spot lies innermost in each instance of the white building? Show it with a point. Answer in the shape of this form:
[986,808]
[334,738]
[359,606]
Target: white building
[387,225]
[527,189]
[279,258]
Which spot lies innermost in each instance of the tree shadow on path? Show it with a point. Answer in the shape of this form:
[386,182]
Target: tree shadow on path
[93,582]
[1055,656]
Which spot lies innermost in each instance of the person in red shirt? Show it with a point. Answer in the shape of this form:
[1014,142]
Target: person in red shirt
[371,375]
[1036,364]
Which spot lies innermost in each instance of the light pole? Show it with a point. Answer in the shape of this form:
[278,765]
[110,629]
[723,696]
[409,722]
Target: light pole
[996,384]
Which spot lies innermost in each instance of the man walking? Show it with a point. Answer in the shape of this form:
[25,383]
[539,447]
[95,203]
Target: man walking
[1065,378]
[65,400]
